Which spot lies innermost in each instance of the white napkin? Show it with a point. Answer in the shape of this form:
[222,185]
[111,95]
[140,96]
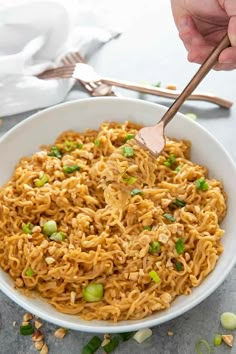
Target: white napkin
[34,37]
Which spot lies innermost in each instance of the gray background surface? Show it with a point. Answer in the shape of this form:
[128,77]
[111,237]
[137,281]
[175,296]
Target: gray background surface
[149,50]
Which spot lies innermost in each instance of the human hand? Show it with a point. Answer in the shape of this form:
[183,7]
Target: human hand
[202,24]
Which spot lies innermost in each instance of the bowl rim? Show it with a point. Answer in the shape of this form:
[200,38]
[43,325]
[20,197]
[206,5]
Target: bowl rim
[122,326]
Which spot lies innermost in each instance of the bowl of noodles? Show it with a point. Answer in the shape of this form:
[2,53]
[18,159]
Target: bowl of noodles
[97,235]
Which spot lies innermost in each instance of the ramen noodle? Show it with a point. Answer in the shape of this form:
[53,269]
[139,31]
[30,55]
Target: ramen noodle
[142,230]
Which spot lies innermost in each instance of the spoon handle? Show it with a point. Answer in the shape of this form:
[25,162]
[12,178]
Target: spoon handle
[198,77]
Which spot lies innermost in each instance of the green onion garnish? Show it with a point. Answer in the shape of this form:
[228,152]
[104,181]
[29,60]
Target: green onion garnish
[112,345]
[92,346]
[169,217]
[129,179]
[27,228]
[27,330]
[228,320]
[70,169]
[136,192]
[128,151]
[58,236]
[179,246]
[55,152]
[41,182]
[155,277]
[96,142]
[217,339]
[50,227]
[202,343]
[170,161]
[29,272]
[80,146]
[201,184]
[148,227]
[177,169]
[93,292]
[154,247]
[69,146]
[158,84]
[178,266]
[179,202]
[126,336]
[129,137]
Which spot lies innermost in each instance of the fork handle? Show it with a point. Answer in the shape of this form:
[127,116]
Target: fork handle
[172,94]
[198,77]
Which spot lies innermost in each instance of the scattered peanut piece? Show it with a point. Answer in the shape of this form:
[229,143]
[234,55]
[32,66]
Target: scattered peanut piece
[49,260]
[171,87]
[25,323]
[39,345]
[170,333]
[228,339]
[37,336]
[37,324]
[27,317]
[44,349]
[106,339]
[60,333]
[14,323]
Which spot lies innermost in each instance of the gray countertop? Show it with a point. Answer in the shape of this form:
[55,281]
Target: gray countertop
[149,50]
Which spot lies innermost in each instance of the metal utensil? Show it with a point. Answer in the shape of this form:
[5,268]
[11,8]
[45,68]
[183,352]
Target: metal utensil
[98,85]
[153,138]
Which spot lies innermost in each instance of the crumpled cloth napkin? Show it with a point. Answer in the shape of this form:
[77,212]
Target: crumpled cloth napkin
[34,37]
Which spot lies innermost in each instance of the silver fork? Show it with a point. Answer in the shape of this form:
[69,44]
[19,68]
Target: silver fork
[87,76]
[93,88]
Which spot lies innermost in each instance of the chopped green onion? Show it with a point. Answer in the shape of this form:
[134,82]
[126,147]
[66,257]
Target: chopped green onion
[169,217]
[178,266]
[112,345]
[179,202]
[128,151]
[202,343]
[228,320]
[27,228]
[29,272]
[142,335]
[158,84]
[154,247]
[93,292]
[50,227]
[178,168]
[96,142]
[179,246]
[129,137]
[80,146]
[55,152]
[27,330]
[136,192]
[148,227]
[126,336]
[155,277]
[201,184]
[170,161]
[58,236]
[129,179]
[41,182]
[217,339]
[69,146]
[70,169]
[192,116]
[92,346]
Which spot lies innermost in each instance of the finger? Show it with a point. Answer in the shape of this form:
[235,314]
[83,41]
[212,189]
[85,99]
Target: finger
[199,54]
[232,31]
[189,34]
[226,67]
[228,56]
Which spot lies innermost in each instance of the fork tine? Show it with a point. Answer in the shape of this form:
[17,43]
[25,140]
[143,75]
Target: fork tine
[70,59]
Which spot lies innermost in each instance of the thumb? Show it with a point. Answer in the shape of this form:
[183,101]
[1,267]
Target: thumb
[232,31]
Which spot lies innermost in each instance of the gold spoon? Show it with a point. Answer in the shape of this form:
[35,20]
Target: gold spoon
[153,138]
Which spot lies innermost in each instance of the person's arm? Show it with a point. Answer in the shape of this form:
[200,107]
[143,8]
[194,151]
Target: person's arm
[202,24]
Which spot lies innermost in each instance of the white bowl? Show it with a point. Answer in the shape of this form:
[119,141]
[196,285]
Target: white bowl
[45,126]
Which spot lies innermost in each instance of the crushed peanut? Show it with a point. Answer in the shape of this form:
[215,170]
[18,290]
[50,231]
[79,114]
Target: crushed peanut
[44,349]
[49,260]
[72,297]
[19,283]
[37,324]
[36,229]
[228,339]
[44,244]
[25,323]
[165,202]
[37,336]
[14,323]
[27,317]
[170,333]
[60,333]
[38,345]
[163,238]
[133,276]
[171,87]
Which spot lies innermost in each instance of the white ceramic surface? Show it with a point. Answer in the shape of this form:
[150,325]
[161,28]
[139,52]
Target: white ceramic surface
[45,126]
